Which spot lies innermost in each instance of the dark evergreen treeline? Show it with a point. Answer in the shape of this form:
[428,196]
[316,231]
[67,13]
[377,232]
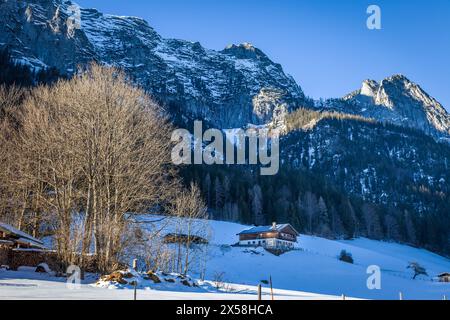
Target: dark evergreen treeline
[318,189]
[313,206]
[14,73]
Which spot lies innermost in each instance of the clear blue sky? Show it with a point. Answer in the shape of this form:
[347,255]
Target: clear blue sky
[324,44]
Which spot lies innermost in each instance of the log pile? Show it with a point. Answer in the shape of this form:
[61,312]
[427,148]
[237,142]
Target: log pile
[4,256]
[17,258]
[32,259]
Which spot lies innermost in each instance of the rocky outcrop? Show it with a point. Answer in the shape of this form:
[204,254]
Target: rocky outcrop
[398,100]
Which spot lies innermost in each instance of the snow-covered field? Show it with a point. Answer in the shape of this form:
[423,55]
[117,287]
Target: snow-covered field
[28,285]
[311,272]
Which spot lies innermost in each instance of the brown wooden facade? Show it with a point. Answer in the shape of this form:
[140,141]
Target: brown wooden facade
[444,277]
[269,235]
[281,237]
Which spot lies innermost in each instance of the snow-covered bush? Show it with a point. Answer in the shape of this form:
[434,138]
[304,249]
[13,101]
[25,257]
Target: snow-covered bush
[418,269]
[346,256]
[219,280]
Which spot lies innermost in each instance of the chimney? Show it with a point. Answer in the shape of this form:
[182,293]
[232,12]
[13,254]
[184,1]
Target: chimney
[274,225]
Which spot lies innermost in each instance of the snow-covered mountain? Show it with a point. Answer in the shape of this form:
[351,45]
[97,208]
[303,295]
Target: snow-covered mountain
[228,88]
[398,100]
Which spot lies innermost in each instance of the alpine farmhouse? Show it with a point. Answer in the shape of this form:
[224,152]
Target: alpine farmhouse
[276,236]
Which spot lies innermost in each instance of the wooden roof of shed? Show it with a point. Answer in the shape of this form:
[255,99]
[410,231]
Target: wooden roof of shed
[21,236]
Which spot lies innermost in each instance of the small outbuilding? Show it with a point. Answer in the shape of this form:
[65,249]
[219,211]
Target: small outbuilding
[18,248]
[184,239]
[444,277]
[11,237]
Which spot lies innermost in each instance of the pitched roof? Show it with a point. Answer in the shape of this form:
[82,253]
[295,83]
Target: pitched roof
[20,234]
[31,243]
[264,229]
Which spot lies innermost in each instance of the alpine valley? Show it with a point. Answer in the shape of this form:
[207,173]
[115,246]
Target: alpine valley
[374,163]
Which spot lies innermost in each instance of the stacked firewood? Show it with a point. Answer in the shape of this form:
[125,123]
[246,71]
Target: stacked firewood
[4,258]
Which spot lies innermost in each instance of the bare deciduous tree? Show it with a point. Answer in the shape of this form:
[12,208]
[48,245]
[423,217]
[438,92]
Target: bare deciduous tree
[95,147]
[191,212]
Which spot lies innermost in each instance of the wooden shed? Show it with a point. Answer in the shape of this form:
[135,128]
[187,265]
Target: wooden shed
[444,277]
[13,238]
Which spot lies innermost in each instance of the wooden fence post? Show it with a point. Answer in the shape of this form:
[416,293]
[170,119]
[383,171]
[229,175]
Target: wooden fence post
[343,297]
[259,292]
[271,287]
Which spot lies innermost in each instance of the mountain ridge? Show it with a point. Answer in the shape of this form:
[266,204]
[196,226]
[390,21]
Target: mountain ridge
[228,88]
[233,87]
[400,100]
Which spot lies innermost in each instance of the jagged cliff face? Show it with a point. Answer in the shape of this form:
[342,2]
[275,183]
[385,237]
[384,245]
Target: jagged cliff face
[230,88]
[399,100]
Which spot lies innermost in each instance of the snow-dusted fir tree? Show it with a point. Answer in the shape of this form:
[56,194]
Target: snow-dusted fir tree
[311,208]
[255,195]
[219,194]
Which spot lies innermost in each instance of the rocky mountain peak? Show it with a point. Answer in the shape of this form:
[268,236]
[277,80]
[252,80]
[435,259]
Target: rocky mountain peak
[399,100]
[375,91]
[245,51]
[369,88]
[398,77]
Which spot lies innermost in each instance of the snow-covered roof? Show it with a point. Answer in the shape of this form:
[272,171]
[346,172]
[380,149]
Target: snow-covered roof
[30,243]
[263,229]
[30,249]
[22,235]
[445,274]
